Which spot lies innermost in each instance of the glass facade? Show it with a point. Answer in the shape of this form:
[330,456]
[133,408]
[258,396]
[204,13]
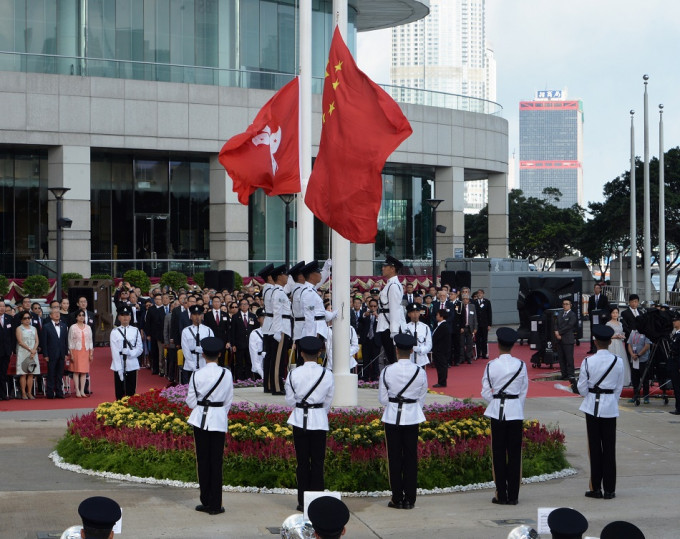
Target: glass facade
[247,43]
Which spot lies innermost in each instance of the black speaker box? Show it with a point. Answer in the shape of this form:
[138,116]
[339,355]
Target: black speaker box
[212,279]
[226,280]
[463,278]
[449,278]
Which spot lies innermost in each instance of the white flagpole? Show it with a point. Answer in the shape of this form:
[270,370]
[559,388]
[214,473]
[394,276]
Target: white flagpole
[633,211]
[305,218]
[345,383]
[647,234]
[662,214]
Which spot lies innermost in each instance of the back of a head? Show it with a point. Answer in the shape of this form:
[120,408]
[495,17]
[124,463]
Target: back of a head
[328,516]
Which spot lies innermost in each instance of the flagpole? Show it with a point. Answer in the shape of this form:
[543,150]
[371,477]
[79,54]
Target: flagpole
[647,235]
[345,383]
[633,211]
[305,218]
[662,214]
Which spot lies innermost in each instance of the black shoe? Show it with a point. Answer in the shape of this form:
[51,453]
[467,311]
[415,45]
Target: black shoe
[299,508]
[594,494]
[609,495]
[407,505]
[216,511]
[674,412]
[512,502]
[497,501]
[49,397]
[278,392]
[393,505]
[201,508]
[439,385]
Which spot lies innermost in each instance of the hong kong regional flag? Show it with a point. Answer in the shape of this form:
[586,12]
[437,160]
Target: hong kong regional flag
[362,126]
[267,155]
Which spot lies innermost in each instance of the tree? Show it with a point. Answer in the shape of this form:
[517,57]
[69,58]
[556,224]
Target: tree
[477,233]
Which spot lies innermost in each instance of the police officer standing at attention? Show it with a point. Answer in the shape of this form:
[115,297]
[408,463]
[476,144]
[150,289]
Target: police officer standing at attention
[391,320]
[504,387]
[402,390]
[600,381]
[674,362]
[309,389]
[281,330]
[296,307]
[267,335]
[191,343]
[421,333]
[210,393]
[126,346]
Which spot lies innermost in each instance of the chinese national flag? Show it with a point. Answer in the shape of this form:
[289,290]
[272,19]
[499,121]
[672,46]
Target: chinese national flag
[362,126]
[267,154]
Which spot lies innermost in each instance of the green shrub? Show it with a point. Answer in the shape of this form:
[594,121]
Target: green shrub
[238,281]
[101,276]
[137,278]
[4,285]
[174,279]
[199,279]
[66,277]
[36,286]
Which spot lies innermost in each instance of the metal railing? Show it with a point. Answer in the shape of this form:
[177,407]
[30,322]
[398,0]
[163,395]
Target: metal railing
[154,267]
[57,64]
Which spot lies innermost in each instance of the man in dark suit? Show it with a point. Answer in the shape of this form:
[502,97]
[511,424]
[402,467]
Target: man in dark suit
[180,320]
[153,326]
[596,301]
[567,322]
[630,314]
[441,347]
[356,312]
[219,322]
[7,345]
[484,323]
[370,341]
[242,325]
[55,350]
[409,294]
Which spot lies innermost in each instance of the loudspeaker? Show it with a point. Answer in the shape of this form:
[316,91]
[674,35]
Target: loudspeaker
[226,280]
[449,278]
[463,278]
[212,279]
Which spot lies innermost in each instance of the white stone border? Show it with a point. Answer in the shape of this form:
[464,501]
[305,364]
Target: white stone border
[59,463]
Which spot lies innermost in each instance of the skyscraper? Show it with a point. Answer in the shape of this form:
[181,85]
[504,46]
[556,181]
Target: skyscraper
[551,146]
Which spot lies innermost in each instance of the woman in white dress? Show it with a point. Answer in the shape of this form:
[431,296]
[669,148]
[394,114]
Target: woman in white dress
[618,346]
[27,348]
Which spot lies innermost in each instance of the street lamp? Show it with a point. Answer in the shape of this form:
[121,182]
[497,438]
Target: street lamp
[621,296]
[434,203]
[62,222]
[287,199]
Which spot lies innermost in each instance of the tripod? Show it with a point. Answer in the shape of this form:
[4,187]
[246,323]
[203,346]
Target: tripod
[658,357]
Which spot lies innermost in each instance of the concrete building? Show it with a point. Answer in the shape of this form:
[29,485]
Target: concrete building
[551,146]
[132,118]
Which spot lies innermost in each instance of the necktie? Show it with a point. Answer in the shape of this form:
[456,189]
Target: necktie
[466,316]
[217,317]
[370,329]
[166,309]
[245,320]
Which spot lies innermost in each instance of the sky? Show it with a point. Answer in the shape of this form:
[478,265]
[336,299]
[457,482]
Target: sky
[597,49]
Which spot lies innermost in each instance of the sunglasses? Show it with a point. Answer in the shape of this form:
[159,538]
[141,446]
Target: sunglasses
[26,318]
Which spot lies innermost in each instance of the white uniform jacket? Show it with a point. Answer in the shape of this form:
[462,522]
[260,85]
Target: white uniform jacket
[281,321]
[424,345]
[298,384]
[257,353]
[297,311]
[390,311]
[353,348]
[316,315]
[118,349]
[193,353]
[497,373]
[592,369]
[394,378]
[202,381]
[267,291]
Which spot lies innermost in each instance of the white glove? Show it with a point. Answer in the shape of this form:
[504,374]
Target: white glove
[277,336]
[328,264]
[199,350]
[416,349]
[393,334]
[121,375]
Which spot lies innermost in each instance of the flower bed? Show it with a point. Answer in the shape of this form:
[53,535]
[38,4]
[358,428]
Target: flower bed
[147,435]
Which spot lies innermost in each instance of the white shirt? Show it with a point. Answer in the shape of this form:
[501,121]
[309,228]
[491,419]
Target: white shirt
[592,369]
[316,315]
[497,373]
[257,352]
[390,301]
[267,290]
[298,384]
[424,345]
[282,313]
[204,380]
[132,352]
[353,348]
[193,354]
[394,378]
[296,308]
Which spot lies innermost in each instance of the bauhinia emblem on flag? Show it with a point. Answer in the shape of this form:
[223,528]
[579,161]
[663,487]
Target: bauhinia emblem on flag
[267,155]
[361,126]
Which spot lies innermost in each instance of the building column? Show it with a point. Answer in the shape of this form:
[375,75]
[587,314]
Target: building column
[449,185]
[228,223]
[69,166]
[499,227]
[362,258]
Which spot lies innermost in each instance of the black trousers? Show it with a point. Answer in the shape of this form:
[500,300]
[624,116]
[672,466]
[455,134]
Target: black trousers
[402,456]
[185,377]
[209,456]
[639,379]
[506,451]
[125,389]
[171,365]
[267,341]
[242,366]
[441,362]
[566,358]
[310,453]
[466,344]
[371,366]
[483,341]
[674,375]
[153,354]
[602,451]
[4,379]
[388,346]
[278,368]
[55,374]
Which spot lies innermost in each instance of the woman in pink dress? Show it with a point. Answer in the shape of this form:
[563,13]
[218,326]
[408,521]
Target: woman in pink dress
[82,352]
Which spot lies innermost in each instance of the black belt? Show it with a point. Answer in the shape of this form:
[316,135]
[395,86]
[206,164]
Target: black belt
[210,404]
[287,316]
[270,315]
[401,401]
[599,391]
[306,408]
[299,319]
[503,397]
[320,317]
[383,311]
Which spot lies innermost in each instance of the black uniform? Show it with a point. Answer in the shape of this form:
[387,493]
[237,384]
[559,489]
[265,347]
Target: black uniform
[484,320]
[674,368]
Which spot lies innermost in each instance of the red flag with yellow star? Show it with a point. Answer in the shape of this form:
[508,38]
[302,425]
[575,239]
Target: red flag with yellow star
[267,154]
[362,126]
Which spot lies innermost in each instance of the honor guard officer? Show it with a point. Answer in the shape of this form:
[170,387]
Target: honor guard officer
[504,387]
[310,390]
[191,343]
[402,391]
[328,516]
[296,306]
[209,395]
[126,346]
[567,523]
[391,319]
[99,515]
[674,362]
[267,334]
[421,332]
[256,346]
[316,315]
[281,330]
[600,381]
